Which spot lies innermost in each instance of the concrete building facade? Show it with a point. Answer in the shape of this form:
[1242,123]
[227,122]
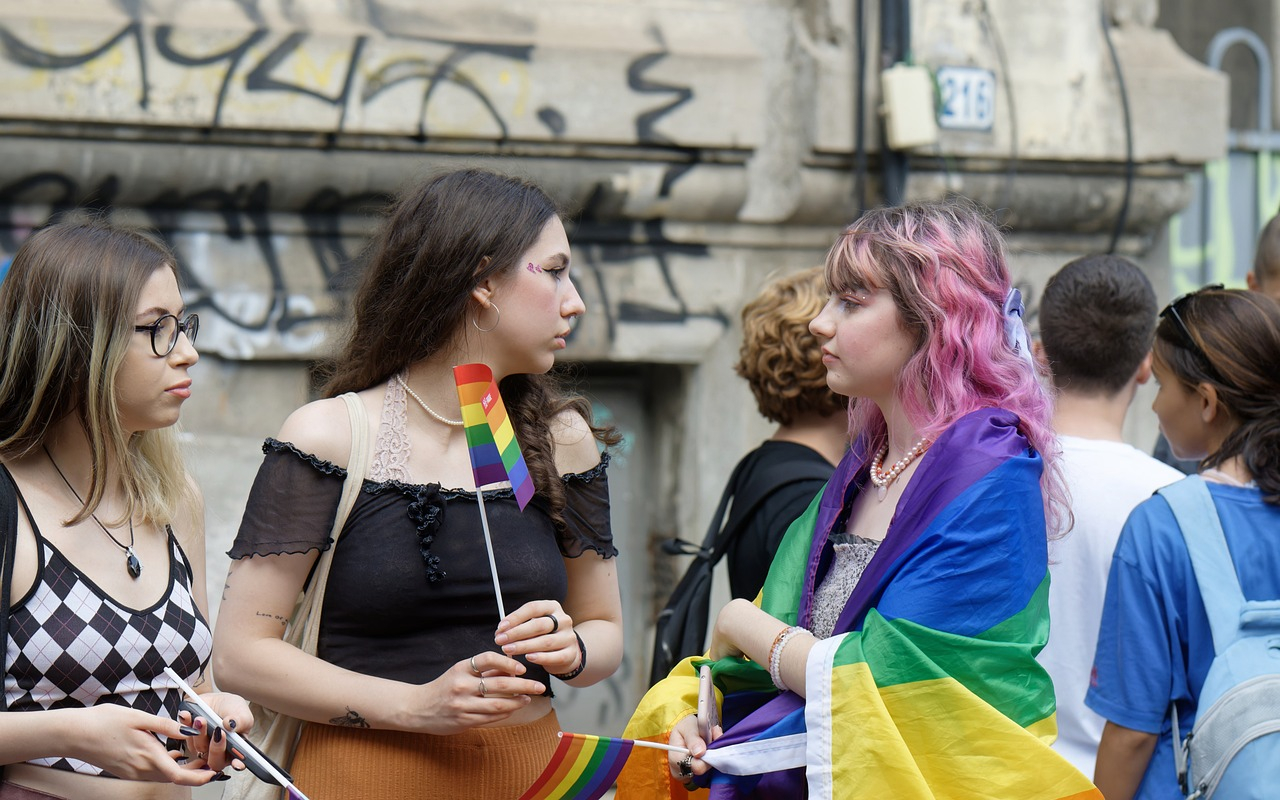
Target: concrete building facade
[697,145]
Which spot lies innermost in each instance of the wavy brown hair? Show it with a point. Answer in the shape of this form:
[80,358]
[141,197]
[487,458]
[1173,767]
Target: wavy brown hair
[441,239]
[1239,333]
[67,310]
[779,358]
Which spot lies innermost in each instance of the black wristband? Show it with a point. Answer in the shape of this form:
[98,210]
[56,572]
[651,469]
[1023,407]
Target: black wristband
[582,663]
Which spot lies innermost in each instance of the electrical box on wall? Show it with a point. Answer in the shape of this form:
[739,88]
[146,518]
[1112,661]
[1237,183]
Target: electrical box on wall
[907,93]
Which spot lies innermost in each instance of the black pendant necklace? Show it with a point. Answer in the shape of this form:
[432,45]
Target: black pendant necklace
[130,558]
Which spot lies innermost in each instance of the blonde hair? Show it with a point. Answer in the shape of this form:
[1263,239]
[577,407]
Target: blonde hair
[779,358]
[66,321]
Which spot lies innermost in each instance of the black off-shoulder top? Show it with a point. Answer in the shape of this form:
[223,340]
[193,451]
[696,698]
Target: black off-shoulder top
[409,592]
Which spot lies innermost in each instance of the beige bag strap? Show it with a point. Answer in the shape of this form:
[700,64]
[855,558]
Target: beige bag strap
[277,734]
[304,629]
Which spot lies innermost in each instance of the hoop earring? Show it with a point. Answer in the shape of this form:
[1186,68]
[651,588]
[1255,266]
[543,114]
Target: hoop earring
[498,318]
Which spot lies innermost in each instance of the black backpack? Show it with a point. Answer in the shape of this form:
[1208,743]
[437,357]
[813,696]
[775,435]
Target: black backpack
[681,629]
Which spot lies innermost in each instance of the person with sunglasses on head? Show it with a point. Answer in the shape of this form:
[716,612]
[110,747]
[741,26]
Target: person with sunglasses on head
[1217,361]
[417,688]
[103,582]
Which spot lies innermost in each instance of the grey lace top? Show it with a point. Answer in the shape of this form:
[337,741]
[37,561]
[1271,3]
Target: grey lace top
[852,555]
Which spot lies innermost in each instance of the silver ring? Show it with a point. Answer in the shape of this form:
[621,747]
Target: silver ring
[555,623]
[474,668]
[686,766]
[201,756]
[483,693]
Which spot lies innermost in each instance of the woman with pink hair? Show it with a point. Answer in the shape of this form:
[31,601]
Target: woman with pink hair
[891,652]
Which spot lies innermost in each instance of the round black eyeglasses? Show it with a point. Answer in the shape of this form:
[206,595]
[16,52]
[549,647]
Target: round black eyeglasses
[164,332]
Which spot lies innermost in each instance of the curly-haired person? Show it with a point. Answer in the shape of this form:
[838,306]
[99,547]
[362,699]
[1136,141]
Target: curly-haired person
[782,363]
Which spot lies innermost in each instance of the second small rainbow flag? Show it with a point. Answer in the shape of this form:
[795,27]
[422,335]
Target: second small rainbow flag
[495,453]
[583,767]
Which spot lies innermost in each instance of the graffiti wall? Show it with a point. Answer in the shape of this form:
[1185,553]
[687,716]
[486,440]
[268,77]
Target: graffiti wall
[399,74]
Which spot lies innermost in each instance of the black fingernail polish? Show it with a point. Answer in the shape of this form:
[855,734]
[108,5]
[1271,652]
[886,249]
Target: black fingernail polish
[231,723]
[217,734]
[222,776]
[187,730]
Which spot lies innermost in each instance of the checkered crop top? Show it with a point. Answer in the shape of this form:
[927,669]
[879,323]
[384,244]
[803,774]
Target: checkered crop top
[72,646]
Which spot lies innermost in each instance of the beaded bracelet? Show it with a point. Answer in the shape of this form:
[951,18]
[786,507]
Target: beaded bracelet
[775,654]
[582,663]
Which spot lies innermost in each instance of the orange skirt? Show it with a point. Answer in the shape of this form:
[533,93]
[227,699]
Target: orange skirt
[12,791]
[335,763]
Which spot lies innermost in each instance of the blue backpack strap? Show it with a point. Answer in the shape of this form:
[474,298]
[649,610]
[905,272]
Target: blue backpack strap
[1215,572]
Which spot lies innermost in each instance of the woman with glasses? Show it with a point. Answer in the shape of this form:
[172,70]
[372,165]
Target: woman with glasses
[419,687]
[1217,361]
[103,581]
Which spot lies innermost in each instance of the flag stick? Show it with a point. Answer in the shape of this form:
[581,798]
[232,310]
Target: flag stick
[488,546]
[668,747]
[641,743]
[217,720]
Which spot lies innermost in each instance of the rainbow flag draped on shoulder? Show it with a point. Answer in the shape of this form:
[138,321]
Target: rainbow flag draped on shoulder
[929,687]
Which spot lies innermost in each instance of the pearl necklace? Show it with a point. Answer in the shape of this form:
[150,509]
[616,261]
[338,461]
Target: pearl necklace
[457,423]
[881,478]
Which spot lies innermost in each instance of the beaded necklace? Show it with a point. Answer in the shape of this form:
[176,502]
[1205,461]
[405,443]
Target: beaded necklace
[881,478]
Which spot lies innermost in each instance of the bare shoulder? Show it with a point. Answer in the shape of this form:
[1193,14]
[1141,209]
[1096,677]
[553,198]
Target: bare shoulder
[576,449]
[321,428]
[188,520]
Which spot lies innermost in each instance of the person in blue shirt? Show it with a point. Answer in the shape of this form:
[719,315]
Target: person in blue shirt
[1217,361]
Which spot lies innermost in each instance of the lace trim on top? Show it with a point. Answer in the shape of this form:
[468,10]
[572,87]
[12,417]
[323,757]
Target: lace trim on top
[852,555]
[506,491]
[391,449]
[273,445]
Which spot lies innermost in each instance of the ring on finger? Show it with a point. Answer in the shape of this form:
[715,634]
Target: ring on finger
[483,693]
[555,623]
[474,668]
[686,767]
[201,756]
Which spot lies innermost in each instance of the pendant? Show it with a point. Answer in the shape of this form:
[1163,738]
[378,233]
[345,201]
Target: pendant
[132,562]
[881,491]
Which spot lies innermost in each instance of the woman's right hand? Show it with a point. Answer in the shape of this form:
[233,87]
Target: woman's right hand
[123,741]
[464,698]
[685,734]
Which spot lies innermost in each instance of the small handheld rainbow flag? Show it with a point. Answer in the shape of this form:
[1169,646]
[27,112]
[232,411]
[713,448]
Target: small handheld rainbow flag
[495,453]
[583,767]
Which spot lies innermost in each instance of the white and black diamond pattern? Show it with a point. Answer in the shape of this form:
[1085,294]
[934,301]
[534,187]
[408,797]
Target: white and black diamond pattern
[71,646]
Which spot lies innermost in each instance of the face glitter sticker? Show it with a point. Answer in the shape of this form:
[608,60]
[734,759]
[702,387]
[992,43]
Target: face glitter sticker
[532,267]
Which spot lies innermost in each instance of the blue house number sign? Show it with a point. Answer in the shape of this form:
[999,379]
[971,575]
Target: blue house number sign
[968,98]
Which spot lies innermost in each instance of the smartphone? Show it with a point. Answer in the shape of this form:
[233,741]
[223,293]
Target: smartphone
[241,748]
[708,711]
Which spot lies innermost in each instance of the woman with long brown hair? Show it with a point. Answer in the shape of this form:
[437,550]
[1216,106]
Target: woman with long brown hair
[417,688]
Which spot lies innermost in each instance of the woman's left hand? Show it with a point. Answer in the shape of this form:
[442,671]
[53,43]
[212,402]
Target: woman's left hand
[208,748]
[542,631]
[685,768]
[735,616]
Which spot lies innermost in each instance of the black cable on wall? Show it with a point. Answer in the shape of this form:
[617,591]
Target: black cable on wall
[860,106]
[1129,164]
[895,45]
